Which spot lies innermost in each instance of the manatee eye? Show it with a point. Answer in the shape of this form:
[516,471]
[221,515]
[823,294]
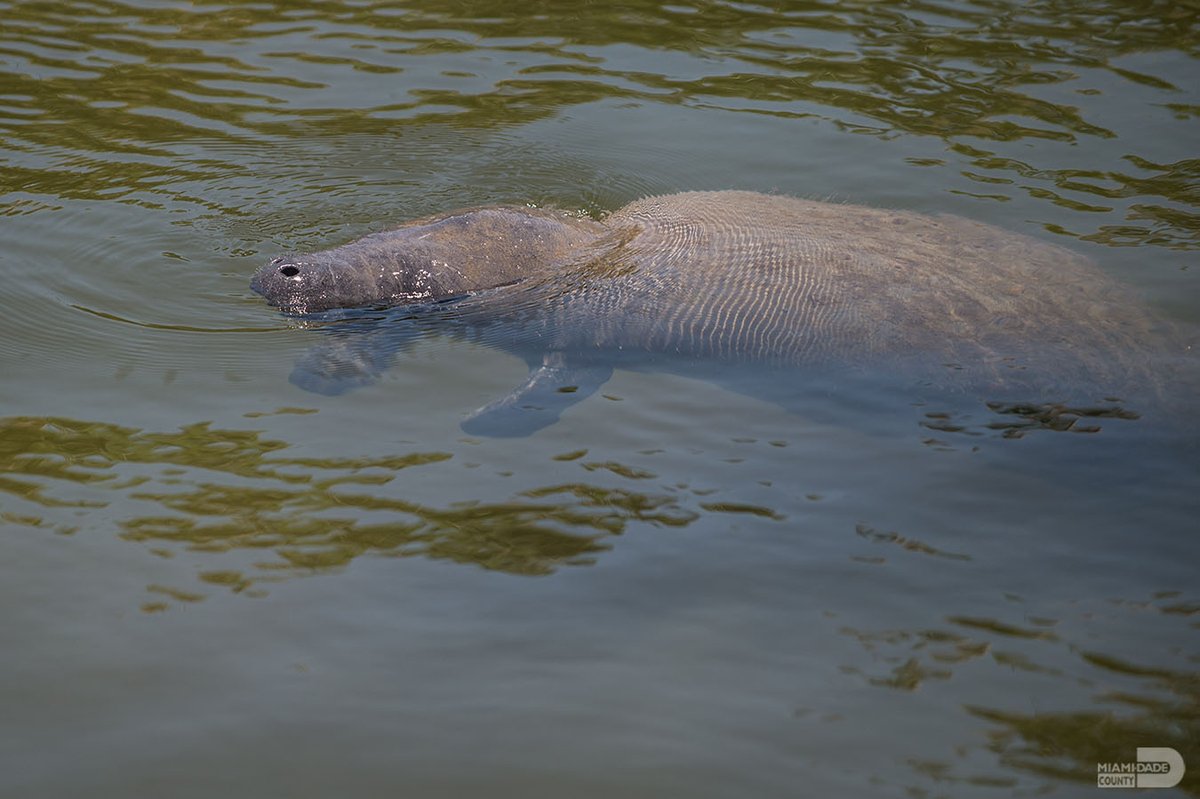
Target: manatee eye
[289,271]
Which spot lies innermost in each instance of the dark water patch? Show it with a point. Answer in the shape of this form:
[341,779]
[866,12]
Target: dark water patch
[1001,628]
[907,543]
[739,507]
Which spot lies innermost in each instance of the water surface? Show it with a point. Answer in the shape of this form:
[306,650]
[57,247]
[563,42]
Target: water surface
[214,582]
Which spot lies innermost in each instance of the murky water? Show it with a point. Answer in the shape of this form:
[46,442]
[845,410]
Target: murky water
[216,583]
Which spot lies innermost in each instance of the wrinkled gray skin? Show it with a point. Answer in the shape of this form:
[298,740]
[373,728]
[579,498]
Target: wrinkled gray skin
[718,280]
[427,260]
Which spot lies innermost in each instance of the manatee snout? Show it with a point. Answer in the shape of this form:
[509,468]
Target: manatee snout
[288,282]
[351,277]
[303,284]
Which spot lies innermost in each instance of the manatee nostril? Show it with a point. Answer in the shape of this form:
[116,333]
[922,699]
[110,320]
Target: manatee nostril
[289,271]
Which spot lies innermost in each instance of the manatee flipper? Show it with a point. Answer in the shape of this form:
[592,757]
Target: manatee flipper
[549,390]
[350,359]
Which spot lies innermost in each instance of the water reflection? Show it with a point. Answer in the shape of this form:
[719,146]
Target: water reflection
[220,490]
[1068,745]
[107,100]
[1122,703]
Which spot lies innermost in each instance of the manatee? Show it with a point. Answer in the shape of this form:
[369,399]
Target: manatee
[772,294]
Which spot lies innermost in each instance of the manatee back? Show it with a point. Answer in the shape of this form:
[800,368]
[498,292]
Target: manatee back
[748,276]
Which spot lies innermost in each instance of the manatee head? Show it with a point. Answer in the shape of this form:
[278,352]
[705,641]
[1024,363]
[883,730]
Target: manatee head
[427,260]
[355,276]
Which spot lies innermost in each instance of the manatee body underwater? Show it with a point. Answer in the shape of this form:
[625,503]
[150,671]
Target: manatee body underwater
[729,284]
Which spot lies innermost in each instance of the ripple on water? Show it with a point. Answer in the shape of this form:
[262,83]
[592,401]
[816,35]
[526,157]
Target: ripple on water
[96,279]
[122,293]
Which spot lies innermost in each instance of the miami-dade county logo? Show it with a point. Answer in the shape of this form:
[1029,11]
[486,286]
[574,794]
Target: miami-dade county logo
[1156,767]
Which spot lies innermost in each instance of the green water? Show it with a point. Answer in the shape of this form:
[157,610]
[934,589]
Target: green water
[214,583]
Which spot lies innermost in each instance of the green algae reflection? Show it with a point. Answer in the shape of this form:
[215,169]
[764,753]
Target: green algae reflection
[106,100]
[220,490]
[1069,744]
[1123,704]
